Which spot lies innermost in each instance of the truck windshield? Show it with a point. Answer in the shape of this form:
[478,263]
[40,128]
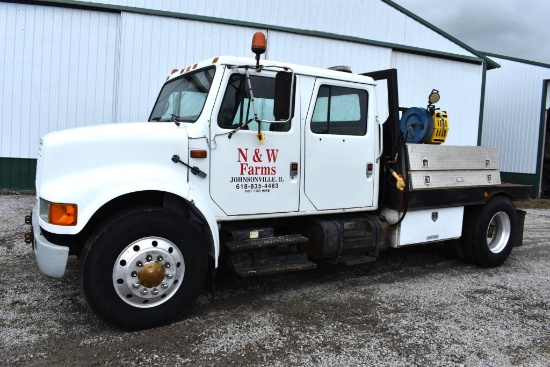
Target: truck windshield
[183,98]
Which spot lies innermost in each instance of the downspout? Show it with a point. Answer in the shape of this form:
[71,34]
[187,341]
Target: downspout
[542,134]
[482,103]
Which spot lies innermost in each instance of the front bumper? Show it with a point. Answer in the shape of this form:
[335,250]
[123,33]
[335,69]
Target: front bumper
[50,258]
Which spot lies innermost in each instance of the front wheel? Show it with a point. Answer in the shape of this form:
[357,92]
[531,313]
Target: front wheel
[489,232]
[143,268]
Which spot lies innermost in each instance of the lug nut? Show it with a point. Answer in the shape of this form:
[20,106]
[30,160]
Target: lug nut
[167,265]
[169,275]
[135,285]
[149,257]
[134,274]
[139,264]
[154,292]
[144,291]
[163,285]
[159,258]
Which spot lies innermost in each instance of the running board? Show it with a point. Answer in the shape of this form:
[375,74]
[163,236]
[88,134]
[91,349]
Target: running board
[276,266]
[253,251]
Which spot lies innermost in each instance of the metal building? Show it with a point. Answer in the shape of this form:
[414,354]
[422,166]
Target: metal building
[69,63]
[516,121]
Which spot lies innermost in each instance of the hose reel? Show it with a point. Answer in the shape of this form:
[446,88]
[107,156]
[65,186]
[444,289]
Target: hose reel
[425,125]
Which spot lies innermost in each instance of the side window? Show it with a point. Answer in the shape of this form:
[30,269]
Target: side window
[236,108]
[340,111]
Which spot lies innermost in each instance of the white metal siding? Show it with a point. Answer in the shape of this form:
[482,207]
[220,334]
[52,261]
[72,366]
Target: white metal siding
[368,19]
[511,118]
[323,53]
[58,71]
[152,46]
[82,67]
[459,85]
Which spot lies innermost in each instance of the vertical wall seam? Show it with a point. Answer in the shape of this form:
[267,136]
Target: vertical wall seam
[542,133]
[482,104]
[116,74]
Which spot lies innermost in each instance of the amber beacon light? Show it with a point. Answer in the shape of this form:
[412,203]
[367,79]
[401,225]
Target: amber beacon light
[258,46]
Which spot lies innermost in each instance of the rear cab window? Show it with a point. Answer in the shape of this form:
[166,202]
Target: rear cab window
[340,111]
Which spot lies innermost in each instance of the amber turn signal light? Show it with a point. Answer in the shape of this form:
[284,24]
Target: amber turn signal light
[198,153]
[63,214]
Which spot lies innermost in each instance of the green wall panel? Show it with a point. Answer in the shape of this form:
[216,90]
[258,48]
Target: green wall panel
[17,173]
[523,178]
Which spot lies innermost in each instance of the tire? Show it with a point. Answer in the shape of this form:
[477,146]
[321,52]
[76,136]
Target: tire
[489,232]
[143,268]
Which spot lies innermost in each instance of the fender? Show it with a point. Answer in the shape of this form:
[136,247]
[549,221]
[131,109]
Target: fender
[90,166]
[93,165]
[90,198]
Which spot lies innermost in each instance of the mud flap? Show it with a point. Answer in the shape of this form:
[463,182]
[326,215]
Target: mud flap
[521,224]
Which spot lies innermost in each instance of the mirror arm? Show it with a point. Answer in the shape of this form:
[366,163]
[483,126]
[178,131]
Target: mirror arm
[291,104]
[251,95]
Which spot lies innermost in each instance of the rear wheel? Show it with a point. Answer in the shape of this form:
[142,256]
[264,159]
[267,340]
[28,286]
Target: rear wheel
[143,268]
[489,232]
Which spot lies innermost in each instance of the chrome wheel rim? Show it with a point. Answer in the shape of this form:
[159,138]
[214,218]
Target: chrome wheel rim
[148,272]
[498,232]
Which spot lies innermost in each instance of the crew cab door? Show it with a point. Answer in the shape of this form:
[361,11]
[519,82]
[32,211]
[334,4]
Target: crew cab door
[340,146]
[249,176]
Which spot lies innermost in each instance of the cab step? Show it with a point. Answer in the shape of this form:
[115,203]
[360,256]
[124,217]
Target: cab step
[266,242]
[276,266]
[259,251]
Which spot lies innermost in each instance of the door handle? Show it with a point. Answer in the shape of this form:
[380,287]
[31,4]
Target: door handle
[370,166]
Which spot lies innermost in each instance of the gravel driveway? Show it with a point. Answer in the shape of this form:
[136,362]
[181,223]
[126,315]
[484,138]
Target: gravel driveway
[415,306]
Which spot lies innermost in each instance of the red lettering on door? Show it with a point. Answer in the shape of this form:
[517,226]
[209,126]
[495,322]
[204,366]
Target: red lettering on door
[272,154]
[243,155]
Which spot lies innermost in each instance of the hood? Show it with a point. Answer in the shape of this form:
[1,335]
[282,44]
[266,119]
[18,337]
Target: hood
[89,153]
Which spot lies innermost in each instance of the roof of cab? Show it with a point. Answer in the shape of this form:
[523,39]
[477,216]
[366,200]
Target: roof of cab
[297,69]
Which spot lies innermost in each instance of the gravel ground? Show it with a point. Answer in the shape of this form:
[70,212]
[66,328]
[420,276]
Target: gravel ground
[415,306]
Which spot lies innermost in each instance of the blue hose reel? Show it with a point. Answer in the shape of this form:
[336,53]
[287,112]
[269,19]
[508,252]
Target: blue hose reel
[416,125]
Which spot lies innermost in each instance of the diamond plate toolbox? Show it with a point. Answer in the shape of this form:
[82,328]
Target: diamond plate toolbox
[440,166]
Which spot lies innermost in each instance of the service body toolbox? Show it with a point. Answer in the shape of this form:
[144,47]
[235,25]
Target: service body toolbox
[443,166]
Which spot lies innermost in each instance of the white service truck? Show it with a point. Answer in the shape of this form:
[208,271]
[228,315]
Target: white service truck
[263,167]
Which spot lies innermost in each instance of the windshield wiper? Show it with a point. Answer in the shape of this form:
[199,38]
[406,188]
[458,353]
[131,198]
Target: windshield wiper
[242,126]
[175,119]
[156,118]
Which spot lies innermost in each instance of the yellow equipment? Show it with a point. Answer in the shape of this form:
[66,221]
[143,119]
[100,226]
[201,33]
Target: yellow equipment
[441,127]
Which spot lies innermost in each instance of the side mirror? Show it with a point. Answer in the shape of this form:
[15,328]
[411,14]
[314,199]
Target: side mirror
[282,104]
